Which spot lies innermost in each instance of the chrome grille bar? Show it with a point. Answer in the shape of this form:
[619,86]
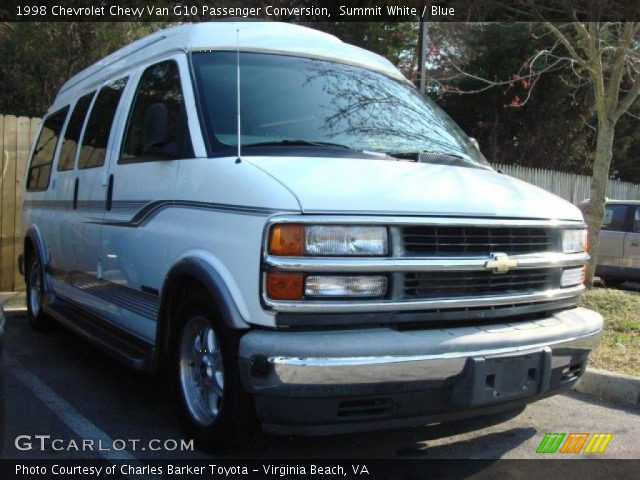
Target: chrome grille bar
[412,305]
[431,264]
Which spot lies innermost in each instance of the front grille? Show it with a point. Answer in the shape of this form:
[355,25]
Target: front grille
[480,241]
[455,284]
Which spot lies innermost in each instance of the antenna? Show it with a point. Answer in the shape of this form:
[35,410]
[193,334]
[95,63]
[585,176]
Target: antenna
[238,160]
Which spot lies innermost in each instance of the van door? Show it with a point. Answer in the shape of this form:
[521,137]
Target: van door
[89,189]
[632,246]
[612,239]
[141,184]
[65,246]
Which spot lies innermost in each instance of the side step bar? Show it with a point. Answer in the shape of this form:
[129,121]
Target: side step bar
[124,347]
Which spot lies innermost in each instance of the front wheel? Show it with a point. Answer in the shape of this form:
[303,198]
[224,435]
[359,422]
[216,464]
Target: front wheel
[35,292]
[211,403]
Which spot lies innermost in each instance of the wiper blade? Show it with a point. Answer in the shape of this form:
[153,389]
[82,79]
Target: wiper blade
[435,157]
[298,143]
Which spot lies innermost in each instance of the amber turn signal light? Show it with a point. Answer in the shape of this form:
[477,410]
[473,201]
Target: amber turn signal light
[285,285]
[286,239]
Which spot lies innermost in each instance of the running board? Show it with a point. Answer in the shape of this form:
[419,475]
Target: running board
[124,347]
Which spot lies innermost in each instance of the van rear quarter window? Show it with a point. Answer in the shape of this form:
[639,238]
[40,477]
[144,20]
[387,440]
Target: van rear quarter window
[96,135]
[72,133]
[40,167]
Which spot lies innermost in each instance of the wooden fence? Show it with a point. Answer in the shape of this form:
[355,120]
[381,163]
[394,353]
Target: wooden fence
[16,134]
[569,186]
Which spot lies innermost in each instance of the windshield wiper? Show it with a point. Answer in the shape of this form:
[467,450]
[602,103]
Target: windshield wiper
[298,143]
[436,158]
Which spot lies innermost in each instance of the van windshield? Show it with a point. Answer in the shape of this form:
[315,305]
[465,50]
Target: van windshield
[290,102]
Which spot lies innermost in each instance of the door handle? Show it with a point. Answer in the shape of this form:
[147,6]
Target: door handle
[75,193]
[108,200]
[635,244]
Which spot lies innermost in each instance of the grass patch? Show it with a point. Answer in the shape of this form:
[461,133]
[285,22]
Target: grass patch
[619,349]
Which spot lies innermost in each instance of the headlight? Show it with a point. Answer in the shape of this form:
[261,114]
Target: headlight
[345,286]
[328,240]
[574,241]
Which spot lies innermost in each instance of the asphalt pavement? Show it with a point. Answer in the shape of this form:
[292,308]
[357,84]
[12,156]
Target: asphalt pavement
[61,390]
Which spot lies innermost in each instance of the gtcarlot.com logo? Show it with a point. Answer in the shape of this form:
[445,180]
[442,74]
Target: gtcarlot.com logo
[46,442]
[574,443]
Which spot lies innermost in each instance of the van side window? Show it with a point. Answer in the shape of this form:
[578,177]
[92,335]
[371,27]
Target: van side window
[72,133]
[96,135]
[40,167]
[615,218]
[159,85]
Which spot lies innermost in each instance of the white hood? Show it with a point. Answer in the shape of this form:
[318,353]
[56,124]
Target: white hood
[346,185]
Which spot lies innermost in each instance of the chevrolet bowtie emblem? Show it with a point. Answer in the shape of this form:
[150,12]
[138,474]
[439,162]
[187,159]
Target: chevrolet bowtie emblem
[500,263]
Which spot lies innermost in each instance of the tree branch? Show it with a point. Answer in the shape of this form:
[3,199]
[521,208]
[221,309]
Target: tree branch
[563,39]
[619,62]
[628,99]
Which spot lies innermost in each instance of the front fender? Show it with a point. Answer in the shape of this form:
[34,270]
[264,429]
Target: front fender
[205,273]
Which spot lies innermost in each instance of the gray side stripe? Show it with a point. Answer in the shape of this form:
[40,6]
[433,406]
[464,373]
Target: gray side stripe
[144,211]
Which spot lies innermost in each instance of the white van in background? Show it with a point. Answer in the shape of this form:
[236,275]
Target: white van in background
[337,257]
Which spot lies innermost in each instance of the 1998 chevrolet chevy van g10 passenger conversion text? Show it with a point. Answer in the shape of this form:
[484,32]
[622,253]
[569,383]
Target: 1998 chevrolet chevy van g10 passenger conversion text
[353,264]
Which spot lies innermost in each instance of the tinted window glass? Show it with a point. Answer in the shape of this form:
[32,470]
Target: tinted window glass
[159,84]
[40,167]
[96,135]
[72,133]
[615,217]
[287,99]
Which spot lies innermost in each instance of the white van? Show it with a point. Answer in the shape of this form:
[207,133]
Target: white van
[336,257]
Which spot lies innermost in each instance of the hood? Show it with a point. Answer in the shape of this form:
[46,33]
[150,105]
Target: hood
[347,185]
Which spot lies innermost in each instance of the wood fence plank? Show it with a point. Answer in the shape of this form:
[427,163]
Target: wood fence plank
[23,144]
[8,201]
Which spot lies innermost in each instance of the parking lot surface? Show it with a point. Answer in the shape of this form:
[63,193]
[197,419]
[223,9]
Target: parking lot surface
[61,386]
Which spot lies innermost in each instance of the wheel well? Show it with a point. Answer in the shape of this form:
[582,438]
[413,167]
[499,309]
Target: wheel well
[27,254]
[180,286]
[29,249]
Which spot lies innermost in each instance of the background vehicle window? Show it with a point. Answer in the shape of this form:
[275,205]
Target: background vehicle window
[159,83]
[96,135]
[615,217]
[40,167]
[72,133]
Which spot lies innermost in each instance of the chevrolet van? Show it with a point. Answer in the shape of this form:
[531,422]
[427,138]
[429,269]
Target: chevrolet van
[307,243]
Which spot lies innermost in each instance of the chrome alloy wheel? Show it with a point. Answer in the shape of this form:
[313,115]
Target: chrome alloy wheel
[35,290]
[201,370]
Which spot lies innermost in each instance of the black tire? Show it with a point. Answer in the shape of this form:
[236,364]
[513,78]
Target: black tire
[235,426]
[34,277]
[612,282]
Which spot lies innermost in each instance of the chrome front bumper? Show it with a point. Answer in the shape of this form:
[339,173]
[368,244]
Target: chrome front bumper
[422,371]
[380,356]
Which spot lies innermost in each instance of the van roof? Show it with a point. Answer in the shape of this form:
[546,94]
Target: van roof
[226,35]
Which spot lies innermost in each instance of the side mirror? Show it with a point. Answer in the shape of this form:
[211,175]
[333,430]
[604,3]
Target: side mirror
[155,133]
[475,142]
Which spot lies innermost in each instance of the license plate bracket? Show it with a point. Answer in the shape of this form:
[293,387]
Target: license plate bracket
[501,378]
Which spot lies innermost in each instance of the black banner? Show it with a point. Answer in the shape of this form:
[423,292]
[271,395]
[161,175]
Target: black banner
[319,10]
[579,469]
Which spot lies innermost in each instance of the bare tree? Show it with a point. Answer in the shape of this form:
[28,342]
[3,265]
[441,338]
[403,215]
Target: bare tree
[607,57]
[603,58]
